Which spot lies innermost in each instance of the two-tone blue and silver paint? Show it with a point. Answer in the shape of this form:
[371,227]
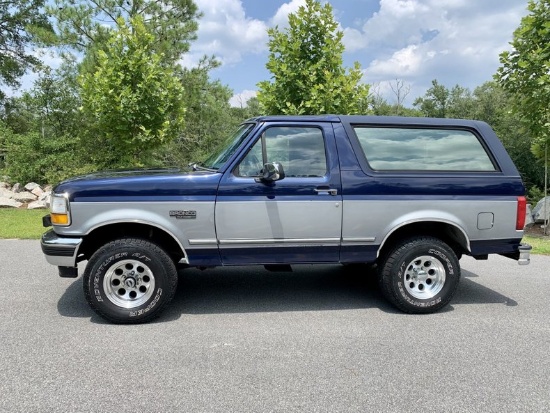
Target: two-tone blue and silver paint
[217,218]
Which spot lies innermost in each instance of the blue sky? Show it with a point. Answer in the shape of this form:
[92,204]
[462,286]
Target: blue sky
[410,41]
[413,41]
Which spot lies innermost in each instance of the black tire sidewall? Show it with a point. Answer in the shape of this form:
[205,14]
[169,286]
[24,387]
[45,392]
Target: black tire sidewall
[395,275]
[138,250]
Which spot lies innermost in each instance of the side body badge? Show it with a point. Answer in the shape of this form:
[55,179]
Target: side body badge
[185,214]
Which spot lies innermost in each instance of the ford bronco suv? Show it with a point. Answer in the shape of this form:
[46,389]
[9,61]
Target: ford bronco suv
[406,196]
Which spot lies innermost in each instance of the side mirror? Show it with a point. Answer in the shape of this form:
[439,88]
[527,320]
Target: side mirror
[272,172]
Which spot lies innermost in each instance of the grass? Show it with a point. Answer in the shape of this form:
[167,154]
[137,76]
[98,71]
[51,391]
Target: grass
[27,224]
[540,245]
[21,223]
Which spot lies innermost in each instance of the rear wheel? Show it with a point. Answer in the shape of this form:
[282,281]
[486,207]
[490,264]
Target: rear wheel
[129,281]
[420,275]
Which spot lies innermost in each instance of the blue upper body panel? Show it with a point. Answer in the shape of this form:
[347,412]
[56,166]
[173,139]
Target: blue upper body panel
[142,185]
[346,163]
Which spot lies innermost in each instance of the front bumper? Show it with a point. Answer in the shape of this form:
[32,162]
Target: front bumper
[60,251]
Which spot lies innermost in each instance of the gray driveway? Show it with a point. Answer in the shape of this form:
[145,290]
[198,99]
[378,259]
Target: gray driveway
[319,339]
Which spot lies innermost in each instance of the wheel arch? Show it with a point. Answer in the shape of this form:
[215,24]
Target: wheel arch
[446,231]
[111,231]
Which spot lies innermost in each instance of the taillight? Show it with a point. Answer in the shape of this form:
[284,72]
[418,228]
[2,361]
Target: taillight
[522,211]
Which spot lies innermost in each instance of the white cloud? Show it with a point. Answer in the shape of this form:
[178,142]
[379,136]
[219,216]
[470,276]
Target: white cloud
[454,41]
[240,100]
[354,39]
[226,32]
[406,62]
[399,22]
[281,16]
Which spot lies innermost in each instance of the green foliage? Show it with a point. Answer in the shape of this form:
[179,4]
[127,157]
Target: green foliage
[534,195]
[207,118]
[32,158]
[17,115]
[306,63]
[50,107]
[86,25]
[22,23]
[492,104]
[381,107]
[6,135]
[524,71]
[440,102]
[41,131]
[251,109]
[133,99]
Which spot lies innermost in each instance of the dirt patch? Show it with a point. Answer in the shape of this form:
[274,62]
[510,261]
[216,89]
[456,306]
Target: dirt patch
[537,231]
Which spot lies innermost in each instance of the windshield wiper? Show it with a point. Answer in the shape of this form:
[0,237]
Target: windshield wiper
[195,166]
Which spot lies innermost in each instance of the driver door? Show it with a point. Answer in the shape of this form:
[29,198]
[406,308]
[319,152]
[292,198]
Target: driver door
[296,219]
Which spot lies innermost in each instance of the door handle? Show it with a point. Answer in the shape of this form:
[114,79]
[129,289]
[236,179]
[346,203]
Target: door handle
[329,191]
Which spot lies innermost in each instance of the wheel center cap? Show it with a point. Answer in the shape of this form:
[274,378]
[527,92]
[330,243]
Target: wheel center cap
[422,276]
[130,282]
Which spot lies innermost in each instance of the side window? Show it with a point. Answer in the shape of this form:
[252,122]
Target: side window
[415,149]
[300,150]
[252,163]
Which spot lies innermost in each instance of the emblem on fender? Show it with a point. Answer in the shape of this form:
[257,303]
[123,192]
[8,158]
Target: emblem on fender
[185,214]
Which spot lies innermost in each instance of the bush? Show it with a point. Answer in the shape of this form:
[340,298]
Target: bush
[534,195]
[31,158]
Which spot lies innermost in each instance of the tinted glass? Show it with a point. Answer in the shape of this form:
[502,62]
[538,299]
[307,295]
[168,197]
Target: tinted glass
[300,150]
[423,149]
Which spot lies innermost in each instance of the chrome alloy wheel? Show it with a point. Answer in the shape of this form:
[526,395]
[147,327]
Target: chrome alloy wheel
[129,283]
[424,277]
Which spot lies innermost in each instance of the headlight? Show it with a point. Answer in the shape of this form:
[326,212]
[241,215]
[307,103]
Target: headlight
[59,210]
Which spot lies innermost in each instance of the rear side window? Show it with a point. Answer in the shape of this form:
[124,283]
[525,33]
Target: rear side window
[414,149]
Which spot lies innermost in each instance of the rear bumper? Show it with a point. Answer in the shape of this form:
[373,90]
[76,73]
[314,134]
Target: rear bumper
[522,255]
[60,251]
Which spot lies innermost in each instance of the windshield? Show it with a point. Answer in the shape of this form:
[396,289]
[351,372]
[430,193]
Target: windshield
[227,148]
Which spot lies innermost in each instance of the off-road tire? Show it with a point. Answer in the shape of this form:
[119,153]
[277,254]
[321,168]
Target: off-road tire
[419,275]
[129,281]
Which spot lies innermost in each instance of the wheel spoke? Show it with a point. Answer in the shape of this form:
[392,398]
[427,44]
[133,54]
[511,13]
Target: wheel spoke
[425,277]
[129,283]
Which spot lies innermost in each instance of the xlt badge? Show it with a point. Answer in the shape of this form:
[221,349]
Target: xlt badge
[185,214]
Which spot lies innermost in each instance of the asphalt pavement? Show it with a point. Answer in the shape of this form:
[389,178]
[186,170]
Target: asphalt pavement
[318,339]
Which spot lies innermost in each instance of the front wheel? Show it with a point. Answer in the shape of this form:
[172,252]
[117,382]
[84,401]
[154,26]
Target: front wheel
[420,275]
[129,281]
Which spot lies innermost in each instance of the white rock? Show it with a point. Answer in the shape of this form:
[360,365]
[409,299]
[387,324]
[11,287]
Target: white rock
[16,188]
[529,220]
[47,198]
[31,185]
[37,205]
[9,203]
[4,185]
[540,209]
[24,197]
[37,191]
[6,193]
